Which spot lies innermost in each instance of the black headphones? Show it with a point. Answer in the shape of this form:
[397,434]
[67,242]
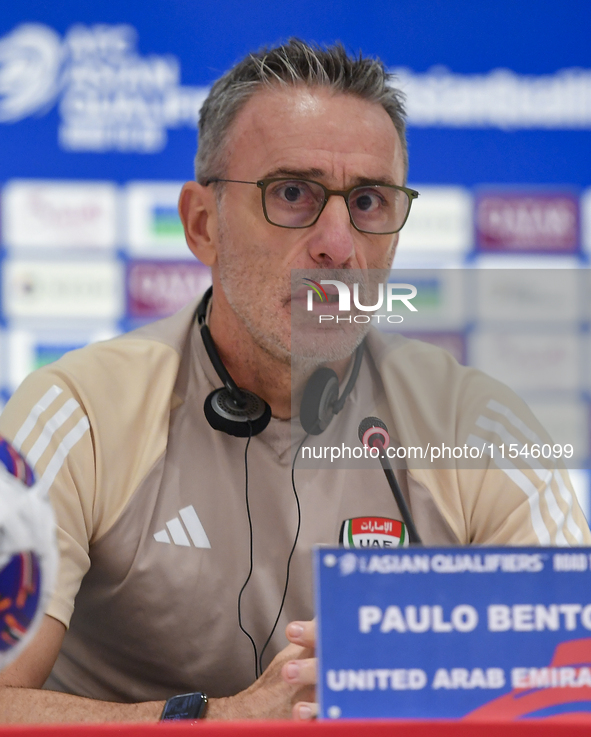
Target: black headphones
[243,414]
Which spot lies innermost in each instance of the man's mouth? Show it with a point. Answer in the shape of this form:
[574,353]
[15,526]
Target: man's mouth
[312,293]
[330,295]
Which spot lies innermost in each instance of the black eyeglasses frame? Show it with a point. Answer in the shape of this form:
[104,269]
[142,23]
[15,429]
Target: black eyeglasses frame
[262,184]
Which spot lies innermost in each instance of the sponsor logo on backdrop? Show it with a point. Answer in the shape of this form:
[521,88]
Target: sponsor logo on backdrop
[527,222]
[429,294]
[586,220]
[526,360]
[154,227]
[158,288]
[64,289]
[29,350]
[441,220]
[440,299]
[166,223]
[109,97]
[4,362]
[539,296]
[48,214]
[454,343]
[46,353]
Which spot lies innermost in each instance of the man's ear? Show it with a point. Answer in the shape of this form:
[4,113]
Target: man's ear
[198,211]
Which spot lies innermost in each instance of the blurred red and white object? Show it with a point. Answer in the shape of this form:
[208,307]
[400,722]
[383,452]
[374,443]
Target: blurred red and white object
[28,553]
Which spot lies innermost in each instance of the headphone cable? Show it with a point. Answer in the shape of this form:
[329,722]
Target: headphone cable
[295,542]
[256,659]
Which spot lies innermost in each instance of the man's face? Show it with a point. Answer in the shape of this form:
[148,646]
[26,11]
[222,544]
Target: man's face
[338,140]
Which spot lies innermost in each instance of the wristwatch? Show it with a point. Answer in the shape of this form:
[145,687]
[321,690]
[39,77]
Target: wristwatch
[185,706]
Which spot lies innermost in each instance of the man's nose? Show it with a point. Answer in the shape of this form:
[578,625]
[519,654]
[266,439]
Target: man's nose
[332,242]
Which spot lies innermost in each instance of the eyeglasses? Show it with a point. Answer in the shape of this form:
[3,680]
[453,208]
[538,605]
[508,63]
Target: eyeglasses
[298,203]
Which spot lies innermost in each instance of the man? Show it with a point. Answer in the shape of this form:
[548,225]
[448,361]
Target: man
[118,429]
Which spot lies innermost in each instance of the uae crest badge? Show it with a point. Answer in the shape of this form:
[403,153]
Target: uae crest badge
[373,532]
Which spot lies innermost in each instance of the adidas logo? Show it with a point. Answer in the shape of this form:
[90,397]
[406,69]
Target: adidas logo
[178,533]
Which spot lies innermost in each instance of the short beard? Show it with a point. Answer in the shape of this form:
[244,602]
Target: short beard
[313,353]
[234,283]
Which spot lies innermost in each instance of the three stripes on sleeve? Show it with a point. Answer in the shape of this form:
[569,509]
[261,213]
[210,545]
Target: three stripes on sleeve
[509,429]
[50,428]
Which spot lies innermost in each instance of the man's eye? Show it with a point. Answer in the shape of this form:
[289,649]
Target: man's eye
[364,202]
[292,193]
[367,201]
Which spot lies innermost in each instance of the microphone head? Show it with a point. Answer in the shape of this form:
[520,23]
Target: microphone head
[371,428]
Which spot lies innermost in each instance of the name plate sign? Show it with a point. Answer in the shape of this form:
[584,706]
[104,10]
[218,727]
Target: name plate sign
[454,633]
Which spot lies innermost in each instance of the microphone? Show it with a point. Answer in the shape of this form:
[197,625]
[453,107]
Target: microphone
[373,433]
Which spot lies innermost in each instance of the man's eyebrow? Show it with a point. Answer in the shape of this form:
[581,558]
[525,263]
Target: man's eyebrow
[315,173]
[361,181]
[283,171]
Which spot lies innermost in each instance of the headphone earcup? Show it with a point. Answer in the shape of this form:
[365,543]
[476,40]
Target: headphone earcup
[222,413]
[320,395]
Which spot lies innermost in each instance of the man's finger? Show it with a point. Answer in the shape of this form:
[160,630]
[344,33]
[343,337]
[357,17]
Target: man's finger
[302,633]
[301,672]
[303,711]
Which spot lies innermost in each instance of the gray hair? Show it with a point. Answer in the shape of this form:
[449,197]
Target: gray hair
[294,63]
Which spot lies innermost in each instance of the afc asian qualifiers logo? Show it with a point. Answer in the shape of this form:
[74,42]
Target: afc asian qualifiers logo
[373,532]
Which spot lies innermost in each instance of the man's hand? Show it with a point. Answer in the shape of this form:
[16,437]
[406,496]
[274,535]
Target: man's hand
[286,688]
[303,670]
